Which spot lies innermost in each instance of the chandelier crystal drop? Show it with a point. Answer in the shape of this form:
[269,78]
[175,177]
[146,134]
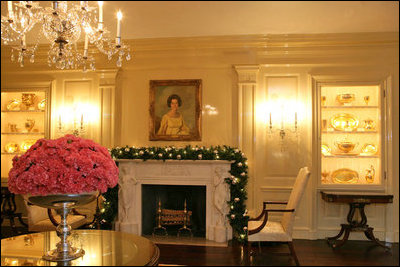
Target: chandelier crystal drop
[63,25]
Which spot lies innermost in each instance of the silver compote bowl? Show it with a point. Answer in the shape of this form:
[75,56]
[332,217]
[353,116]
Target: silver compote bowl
[62,203]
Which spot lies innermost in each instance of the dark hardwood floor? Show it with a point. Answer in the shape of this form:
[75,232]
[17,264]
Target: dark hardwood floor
[309,253]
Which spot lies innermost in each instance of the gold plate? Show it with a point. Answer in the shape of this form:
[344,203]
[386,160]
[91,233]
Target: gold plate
[345,176]
[369,149]
[13,104]
[344,122]
[325,150]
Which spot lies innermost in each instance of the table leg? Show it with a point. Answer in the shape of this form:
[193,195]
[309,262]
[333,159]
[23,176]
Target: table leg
[334,238]
[370,235]
[345,237]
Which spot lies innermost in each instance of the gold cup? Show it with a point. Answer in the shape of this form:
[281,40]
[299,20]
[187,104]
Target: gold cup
[29,124]
[323,100]
[369,124]
[366,99]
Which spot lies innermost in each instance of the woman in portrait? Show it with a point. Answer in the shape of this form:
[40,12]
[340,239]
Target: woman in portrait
[172,122]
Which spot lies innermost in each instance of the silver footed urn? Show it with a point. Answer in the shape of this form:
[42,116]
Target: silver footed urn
[62,203]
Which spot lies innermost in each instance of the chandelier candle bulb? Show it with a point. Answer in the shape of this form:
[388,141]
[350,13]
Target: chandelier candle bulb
[100,15]
[85,51]
[10,10]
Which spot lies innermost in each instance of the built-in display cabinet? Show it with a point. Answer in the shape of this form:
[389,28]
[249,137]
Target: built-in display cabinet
[351,136]
[24,119]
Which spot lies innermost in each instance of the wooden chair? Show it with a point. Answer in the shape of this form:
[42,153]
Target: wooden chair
[260,229]
[42,219]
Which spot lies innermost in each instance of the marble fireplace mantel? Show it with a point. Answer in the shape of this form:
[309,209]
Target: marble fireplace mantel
[210,173]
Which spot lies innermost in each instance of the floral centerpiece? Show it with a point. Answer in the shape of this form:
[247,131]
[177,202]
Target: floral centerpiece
[67,165]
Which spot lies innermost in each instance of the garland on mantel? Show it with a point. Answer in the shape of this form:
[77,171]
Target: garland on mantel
[237,181]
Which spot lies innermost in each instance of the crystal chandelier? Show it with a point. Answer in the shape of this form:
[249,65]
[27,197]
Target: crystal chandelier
[62,24]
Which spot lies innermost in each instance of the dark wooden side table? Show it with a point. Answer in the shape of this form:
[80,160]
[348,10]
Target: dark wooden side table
[356,201]
[8,208]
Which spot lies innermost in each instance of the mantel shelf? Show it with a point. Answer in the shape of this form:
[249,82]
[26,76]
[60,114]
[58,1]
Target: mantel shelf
[23,133]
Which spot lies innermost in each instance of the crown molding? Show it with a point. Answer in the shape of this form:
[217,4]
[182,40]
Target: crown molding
[264,46]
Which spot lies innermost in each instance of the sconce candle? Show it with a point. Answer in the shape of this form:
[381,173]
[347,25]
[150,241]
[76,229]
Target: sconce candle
[270,120]
[118,39]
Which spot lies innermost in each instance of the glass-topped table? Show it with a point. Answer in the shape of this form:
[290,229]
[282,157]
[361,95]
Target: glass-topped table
[102,248]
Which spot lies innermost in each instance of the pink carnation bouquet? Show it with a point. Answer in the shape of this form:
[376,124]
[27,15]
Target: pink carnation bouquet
[67,165]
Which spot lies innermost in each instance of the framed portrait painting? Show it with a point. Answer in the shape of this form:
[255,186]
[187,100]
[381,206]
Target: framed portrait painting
[175,110]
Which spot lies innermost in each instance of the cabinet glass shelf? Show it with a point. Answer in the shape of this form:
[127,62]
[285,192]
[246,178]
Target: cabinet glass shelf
[351,156]
[38,133]
[351,107]
[23,111]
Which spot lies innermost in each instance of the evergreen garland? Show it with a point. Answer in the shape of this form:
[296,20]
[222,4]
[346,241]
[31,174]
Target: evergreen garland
[237,181]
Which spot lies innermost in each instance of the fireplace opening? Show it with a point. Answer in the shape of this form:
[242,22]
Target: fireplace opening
[173,197]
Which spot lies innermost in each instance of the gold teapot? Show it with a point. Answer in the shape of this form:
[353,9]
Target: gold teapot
[345,146]
[370,174]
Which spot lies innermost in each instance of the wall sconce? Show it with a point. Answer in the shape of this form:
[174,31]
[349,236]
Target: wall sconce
[75,128]
[71,122]
[283,131]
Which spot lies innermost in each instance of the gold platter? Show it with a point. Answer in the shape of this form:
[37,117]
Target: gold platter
[344,122]
[345,176]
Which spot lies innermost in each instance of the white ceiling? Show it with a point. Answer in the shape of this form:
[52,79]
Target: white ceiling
[157,19]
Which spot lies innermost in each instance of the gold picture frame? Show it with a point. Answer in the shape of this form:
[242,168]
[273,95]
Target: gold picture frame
[175,110]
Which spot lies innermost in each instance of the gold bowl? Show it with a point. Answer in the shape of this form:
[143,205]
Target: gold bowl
[345,98]
[345,146]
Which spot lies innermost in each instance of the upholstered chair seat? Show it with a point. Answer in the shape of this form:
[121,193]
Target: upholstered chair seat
[41,219]
[272,231]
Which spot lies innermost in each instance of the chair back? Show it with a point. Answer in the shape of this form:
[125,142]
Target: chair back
[294,199]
